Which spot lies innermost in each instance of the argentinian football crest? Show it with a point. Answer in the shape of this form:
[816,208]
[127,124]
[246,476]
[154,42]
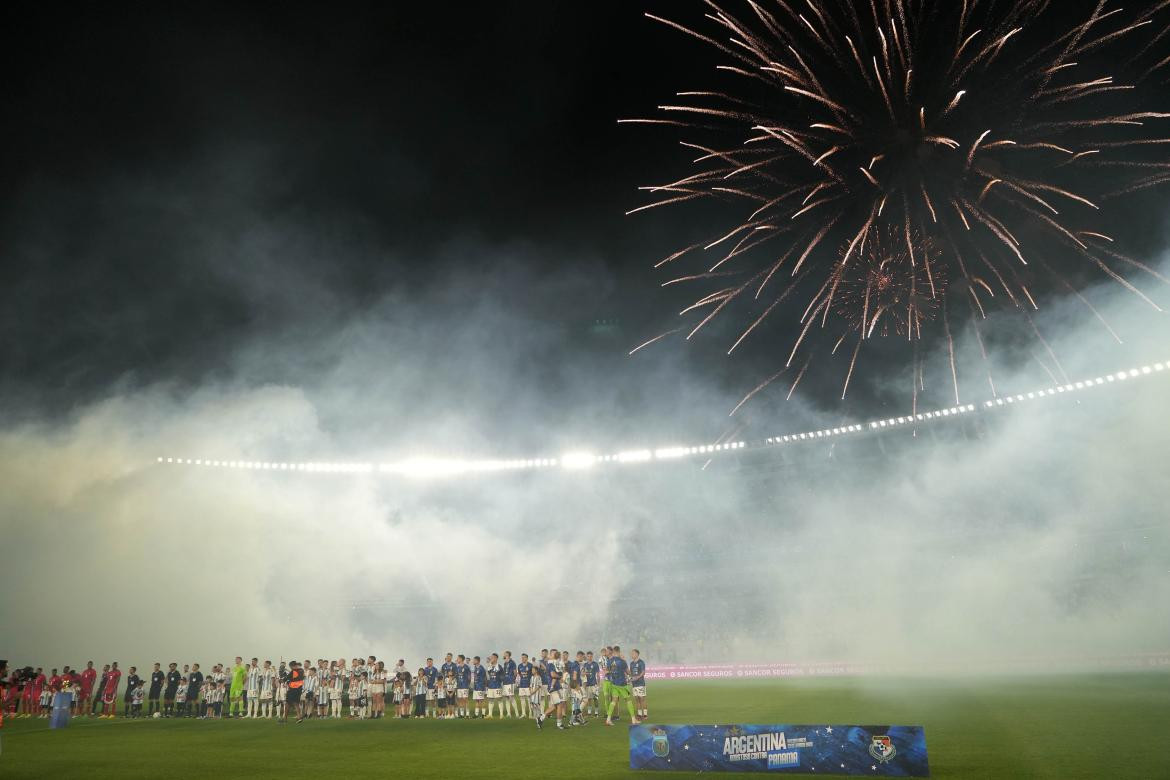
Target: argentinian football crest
[882,748]
[661,744]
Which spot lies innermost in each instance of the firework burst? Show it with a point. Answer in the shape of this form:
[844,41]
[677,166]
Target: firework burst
[883,292]
[878,150]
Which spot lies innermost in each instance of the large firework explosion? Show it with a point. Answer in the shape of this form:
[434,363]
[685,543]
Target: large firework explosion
[878,150]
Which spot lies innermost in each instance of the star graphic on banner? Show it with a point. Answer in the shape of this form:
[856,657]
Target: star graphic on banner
[873,767]
[828,729]
[686,747]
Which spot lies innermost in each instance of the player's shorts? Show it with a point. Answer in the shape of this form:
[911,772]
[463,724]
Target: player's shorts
[508,689]
[494,693]
[477,695]
[523,691]
[265,695]
[322,697]
[619,691]
[639,691]
[554,698]
[592,690]
[253,693]
[294,695]
[375,689]
[430,695]
[460,693]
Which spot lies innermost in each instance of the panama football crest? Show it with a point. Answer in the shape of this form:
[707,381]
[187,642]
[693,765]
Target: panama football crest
[882,748]
[661,744]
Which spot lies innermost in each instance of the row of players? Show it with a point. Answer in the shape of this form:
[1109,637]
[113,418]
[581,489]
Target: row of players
[461,687]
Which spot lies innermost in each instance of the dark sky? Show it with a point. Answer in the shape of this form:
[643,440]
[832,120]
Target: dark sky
[142,139]
[168,173]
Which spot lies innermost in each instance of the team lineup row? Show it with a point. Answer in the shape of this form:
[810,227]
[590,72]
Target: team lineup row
[554,683]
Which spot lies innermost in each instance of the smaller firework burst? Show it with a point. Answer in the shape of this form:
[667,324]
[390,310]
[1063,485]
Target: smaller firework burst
[886,291]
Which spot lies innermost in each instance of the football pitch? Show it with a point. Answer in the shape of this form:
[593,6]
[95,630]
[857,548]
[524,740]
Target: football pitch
[1052,726]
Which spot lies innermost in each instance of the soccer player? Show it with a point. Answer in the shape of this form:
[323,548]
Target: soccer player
[479,688]
[239,676]
[523,687]
[172,687]
[556,702]
[324,688]
[308,693]
[463,681]
[638,683]
[589,674]
[495,685]
[542,678]
[194,688]
[110,693]
[508,677]
[252,689]
[85,689]
[157,678]
[606,655]
[269,684]
[618,689]
[447,667]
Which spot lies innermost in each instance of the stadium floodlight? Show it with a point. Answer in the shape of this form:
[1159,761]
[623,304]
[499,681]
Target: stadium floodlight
[440,467]
[578,460]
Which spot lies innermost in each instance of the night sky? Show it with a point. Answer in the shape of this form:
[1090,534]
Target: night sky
[143,143]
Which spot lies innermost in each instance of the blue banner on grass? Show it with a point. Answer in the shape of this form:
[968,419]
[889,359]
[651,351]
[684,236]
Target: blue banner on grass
[873,751]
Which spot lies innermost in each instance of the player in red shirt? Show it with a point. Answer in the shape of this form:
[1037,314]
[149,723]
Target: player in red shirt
[110,694]
[88,677]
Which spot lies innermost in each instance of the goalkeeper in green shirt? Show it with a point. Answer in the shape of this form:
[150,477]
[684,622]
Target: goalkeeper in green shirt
[239,675]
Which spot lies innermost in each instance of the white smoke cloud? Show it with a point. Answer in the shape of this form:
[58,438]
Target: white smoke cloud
[1040,532]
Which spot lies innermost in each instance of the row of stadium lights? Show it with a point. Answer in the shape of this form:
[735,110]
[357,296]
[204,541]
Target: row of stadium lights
[437,467]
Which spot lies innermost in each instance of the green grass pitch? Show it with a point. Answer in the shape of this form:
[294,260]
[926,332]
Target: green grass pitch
[1057,726]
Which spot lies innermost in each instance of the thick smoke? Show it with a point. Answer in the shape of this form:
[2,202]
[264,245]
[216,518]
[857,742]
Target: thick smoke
[1038,531]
